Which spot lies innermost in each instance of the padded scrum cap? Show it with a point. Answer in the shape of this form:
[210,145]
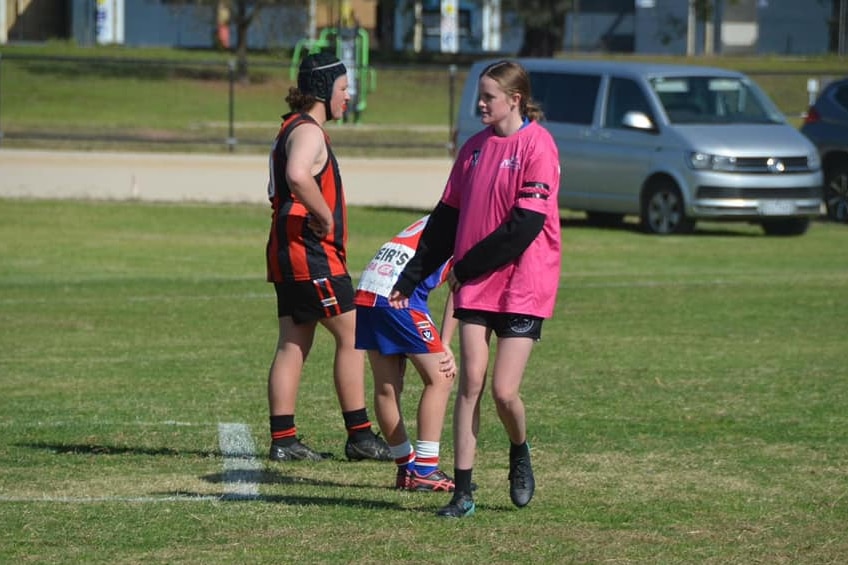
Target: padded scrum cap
[318,72]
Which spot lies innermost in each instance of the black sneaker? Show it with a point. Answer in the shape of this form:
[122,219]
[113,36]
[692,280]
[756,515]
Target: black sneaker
[460,506]
[522,485]
[370,446]
[296,451]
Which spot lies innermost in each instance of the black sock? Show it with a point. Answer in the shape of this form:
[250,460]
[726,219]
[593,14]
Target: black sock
[357,424]
[462,481]
[518,450]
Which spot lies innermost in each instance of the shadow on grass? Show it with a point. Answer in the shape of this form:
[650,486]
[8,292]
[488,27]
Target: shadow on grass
[583,223]
[99,449]
[290,500]
[634,227]
[713,228]
[298,500]
[440,502]
[260,476]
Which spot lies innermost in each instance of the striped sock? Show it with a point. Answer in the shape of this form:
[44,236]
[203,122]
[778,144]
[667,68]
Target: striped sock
[426,457]
[283,430]
[403,455]
[357,424]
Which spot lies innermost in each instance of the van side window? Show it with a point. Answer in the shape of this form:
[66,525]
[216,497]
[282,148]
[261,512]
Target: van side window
[624,96]
[566,98]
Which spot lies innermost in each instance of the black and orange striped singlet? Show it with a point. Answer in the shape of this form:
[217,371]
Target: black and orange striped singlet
[294,252]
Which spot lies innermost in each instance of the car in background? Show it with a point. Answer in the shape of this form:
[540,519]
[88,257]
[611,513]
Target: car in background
[670,144]
[826,125]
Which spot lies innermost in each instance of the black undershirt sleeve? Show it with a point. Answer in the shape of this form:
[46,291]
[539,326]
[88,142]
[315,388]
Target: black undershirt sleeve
[501,246]
[434,248]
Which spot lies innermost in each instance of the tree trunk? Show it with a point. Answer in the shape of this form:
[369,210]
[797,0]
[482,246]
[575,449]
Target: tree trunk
[835,27]
[540,41]
[386,26]
[242,20]
[241,55]
[544,27]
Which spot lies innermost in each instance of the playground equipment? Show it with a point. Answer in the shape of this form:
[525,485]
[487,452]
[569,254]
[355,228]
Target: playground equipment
[350,45]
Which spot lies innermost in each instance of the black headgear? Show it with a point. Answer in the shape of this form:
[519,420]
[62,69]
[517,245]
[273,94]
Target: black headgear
[318,72]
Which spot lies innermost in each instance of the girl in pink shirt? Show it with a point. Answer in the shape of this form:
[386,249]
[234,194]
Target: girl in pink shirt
[499,218]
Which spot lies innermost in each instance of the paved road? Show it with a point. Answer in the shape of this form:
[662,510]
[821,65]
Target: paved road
[401,183]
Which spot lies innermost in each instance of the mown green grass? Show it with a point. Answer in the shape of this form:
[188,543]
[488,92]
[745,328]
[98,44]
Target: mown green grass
[686,403]
[160,97]
[171,97]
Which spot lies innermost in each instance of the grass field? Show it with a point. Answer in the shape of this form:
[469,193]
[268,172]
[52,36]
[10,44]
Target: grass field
[686,404]
[173,98]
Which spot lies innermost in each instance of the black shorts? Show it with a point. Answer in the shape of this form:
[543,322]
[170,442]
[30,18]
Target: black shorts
[503,324]
[307,301]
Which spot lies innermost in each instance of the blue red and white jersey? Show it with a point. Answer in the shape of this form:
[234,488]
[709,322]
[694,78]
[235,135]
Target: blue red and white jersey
[382,272]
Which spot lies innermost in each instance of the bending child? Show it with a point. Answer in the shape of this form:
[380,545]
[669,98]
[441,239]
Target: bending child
[391,336]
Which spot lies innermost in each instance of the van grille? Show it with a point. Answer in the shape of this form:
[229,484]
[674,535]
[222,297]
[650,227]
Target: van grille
[724,192]
[765,165]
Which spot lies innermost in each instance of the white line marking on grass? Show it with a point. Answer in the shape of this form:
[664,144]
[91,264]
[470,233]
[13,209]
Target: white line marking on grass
[91,499]
[241,468]
[102,423]
[241,472]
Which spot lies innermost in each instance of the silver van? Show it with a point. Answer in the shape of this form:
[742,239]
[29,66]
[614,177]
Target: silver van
[671,144]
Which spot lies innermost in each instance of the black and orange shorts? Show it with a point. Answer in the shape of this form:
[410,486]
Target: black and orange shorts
[307,301]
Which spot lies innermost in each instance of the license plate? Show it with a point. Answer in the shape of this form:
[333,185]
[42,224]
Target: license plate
[777,208]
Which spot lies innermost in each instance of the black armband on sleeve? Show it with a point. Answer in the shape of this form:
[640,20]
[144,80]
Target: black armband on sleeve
[434,248]
[501,246]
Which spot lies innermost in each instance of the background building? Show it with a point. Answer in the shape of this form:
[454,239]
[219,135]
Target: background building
[786,27]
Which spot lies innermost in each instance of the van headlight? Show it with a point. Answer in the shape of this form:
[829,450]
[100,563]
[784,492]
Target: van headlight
[707,162]
[814,161]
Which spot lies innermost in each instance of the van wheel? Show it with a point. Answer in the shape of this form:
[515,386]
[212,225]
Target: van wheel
[604,219]
[789,226]
[836,192]
[663,211]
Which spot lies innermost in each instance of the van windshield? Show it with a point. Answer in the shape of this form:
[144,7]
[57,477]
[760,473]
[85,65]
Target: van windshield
[714,100]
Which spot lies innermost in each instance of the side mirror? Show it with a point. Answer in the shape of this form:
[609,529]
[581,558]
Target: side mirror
[638,120]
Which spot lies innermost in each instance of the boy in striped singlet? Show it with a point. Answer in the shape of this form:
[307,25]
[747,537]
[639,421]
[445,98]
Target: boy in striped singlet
[307,262]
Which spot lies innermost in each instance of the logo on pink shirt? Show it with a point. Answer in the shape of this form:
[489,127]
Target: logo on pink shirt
[513,163]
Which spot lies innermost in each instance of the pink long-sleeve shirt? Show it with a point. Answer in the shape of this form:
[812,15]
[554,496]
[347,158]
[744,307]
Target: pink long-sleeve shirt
[485,184]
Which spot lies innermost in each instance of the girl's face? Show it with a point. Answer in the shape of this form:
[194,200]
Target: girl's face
[495,105]
[339,98]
